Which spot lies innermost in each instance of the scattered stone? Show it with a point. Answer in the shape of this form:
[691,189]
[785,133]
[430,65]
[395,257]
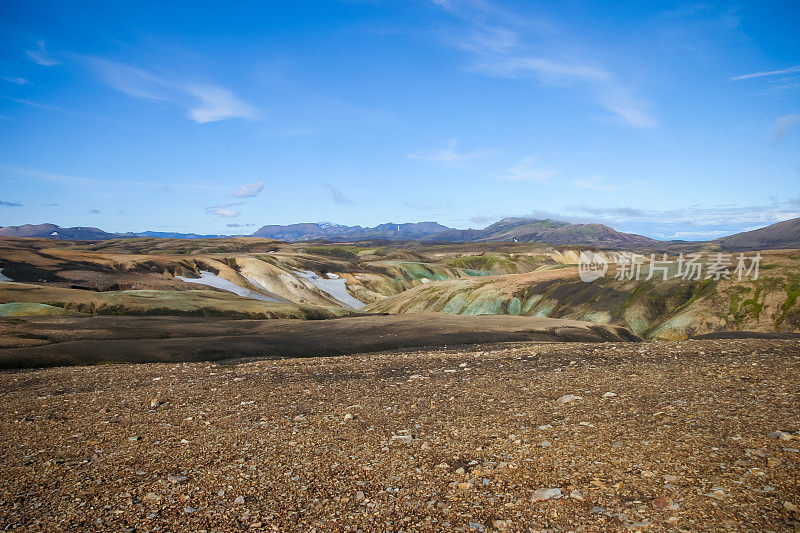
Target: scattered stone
[540,495]
[347,416]
[402,438]
[152,497]
[177,480]
[360,496]
[610,395]
[576,495]
[569,398]
[239,500]
[299,418]
[781,435]
[502,525]
[647,474]
[545,444]
[664,503]
[792,508]
[189,510]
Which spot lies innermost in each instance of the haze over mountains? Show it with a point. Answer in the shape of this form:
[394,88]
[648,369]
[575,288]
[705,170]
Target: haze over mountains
[784,234]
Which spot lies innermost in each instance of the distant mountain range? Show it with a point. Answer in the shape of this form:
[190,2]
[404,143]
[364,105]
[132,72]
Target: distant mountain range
[81,233]
[508,229]
[781,235]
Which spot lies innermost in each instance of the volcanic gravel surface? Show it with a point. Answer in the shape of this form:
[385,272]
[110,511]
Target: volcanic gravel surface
[697,435]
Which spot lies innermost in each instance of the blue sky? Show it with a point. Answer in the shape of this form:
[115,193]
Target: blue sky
[670,119]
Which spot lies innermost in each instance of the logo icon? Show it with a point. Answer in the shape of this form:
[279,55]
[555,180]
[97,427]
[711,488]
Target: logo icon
[591,266]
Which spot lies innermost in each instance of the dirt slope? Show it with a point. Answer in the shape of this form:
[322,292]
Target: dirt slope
[63,341]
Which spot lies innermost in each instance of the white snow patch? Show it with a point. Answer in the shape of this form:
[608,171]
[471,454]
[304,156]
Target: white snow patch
[212,280]
[3,277]
[336,287]
[331,275]
[263,289]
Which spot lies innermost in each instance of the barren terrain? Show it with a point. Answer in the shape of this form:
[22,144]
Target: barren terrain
[696,435]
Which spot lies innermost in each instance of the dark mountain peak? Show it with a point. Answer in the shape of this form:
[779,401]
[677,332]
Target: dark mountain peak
[53,231]
[784,234]
[28,230]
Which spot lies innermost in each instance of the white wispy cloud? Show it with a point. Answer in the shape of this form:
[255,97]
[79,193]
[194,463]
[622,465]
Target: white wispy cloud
[35,104]
[596,183]
[544,69]
[451,156]
[17,80]
[501,46]
[682,235]
[40,55]
[203,102]
[249,190]
[780,72]
[216,103]
[224,210]
[528,170]
[12,171]
[226,213]
[784,124]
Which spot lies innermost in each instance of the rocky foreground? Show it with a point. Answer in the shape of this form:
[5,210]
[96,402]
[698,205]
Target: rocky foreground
[669,436]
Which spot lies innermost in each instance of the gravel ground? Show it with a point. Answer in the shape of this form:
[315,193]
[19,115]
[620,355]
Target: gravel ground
[657,436]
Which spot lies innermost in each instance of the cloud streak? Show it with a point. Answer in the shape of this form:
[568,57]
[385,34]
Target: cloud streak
[40,55]
[494,39]
[224,210]
[17,80]
[216,103]
[450,155]
[789,70]
[595,183]
[52,176]
[203,102]
[527,170]
[249,190]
